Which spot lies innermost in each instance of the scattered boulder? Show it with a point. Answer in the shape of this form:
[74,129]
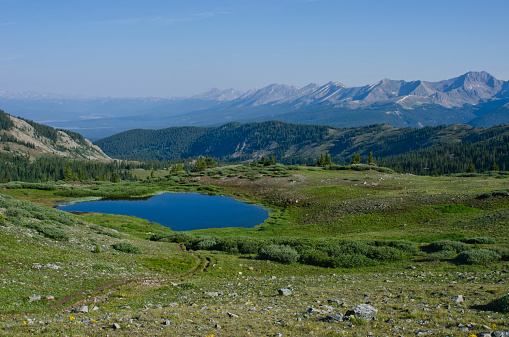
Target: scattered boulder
[211,294]
[458,299]
[500,333]
[50,298]
[34,297]
[51,266]
[284,292]
[83,309]
[333,318]
[116,326]
[316,311]
[364,311]
[232,315]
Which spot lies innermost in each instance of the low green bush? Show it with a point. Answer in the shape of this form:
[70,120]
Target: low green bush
[229,245]
[188,285]
[279,253]
[48,229]
[481,240]
[126,247]
[314,257]
[500,305]
[503,252]
[385,254]
[479,257]
[205,243]
[102,267]
[176,237]
[402,245]
[455,246]
[17,213]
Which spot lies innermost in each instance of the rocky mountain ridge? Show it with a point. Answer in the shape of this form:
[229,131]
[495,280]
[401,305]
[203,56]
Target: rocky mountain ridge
[474,98]
[22,137]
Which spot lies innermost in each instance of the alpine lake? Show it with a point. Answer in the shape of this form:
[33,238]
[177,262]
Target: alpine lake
[179,211]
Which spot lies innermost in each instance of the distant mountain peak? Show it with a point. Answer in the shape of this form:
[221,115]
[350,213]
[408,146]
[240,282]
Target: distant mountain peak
[215,94]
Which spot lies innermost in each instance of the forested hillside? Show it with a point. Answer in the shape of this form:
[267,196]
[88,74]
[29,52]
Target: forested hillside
[428,150]
[33,152]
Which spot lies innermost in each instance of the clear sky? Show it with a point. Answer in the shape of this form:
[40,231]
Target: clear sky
[178,48]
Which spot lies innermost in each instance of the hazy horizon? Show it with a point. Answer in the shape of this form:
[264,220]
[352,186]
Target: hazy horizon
[178,49]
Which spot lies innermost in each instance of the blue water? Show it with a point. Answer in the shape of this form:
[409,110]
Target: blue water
[181,211]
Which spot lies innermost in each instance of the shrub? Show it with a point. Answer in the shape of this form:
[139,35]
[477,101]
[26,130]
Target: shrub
[102,267]
[314,257]
[503,252]
[455,246]
[500,305]
[404,246]
[48,230]
[247,245]
[177,237]
[228,245]
[440,255]
[480,256]
[384,254]
[482,240]
[126,247]
[204,243]
[55,233]
[188,285]
[279,253]
[17,213]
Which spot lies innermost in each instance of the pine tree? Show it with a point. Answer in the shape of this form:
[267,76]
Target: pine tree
[209,162]
[272,160]
[356,158]
[471,167]
[200,165]
[263,160]
[494,167]
[68,174]
[115,178]
[328,160]
[371,160]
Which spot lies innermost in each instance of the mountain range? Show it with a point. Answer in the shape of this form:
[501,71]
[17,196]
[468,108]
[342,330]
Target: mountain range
[475,98]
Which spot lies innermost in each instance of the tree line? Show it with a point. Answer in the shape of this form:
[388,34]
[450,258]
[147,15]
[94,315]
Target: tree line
[20,168]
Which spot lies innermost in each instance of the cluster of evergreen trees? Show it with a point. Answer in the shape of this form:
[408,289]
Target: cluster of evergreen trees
[324,159]
[20,168]
[491,155]
[202,164]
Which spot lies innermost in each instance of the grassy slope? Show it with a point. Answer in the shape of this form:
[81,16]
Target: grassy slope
[349,204]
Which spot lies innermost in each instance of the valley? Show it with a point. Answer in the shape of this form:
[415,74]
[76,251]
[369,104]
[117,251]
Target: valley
[208,282]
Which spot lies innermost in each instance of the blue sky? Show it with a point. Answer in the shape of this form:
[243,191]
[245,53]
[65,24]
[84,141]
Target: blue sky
[178,48]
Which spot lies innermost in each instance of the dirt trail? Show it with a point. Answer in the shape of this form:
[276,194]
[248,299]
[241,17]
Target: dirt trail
[115,286]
